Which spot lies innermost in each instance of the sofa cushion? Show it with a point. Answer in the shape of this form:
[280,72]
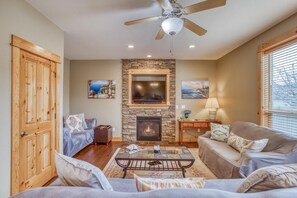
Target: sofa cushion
[230,185]
[277,140]
[219,157]
[268,178]
[219,132]
[128,185]
[222,149]
[123,185]
[74,172]
[83,192]
[243,145]
[147,184]
[91,123]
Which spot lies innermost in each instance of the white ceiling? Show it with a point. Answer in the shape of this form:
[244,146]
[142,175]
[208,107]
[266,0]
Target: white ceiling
[94,29]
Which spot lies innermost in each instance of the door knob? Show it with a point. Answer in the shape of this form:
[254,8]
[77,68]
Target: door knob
[24,133]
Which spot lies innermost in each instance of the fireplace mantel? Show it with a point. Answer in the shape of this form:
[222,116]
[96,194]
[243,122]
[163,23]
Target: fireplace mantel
[165,72]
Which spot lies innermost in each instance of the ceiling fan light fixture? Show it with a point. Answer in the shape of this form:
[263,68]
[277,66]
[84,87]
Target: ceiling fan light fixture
[172,26]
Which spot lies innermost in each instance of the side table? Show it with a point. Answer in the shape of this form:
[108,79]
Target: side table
[193,124]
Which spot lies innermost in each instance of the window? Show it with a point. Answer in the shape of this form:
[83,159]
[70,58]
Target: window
[278,83]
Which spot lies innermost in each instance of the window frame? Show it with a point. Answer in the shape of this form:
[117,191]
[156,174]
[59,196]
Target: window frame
[271,45]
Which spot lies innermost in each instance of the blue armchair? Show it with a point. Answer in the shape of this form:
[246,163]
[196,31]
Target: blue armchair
[76,141]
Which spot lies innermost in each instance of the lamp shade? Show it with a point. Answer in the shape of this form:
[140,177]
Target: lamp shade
[212,103]
[172,26]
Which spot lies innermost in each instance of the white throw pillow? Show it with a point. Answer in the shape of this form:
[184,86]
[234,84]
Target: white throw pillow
[255,146]
[219,132]
[74,172]
[76,122]
[244,145]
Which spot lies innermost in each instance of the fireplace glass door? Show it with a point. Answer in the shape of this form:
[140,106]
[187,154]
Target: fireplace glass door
[149,128]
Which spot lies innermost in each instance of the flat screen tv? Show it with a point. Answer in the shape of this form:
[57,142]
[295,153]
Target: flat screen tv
[148,89]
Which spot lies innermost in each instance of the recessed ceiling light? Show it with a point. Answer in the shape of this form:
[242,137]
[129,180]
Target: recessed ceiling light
[149,56]
[131,46]
[192,46]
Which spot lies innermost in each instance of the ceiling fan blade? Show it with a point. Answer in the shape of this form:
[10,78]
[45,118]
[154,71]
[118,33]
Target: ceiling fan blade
[204,5]
[160,34]
[148,19]
[194,27]
[166,5]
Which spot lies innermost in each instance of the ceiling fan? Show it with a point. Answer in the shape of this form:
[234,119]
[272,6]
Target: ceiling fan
[172,13]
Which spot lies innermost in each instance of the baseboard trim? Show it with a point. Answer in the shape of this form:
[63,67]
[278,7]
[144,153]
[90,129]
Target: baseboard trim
[117,139]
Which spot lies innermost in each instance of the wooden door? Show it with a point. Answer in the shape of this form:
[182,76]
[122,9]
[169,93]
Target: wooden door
[34,114]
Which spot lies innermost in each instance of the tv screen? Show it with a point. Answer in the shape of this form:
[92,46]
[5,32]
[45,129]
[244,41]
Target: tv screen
[148,89]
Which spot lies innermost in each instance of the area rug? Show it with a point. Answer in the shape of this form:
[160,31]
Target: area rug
[198,169]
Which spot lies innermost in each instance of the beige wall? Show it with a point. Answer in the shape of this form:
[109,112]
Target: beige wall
[194,70]
[237,76]
[66,87]
[19,18]
[107,111]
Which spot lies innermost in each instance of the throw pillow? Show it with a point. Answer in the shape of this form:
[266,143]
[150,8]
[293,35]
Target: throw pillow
[268,178]
[219,132]
[244,145]
[74,172]
[75,122]
[255,146]
[146,184]
[237,142]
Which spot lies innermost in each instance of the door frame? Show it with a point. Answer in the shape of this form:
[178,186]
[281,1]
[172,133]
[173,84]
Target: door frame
[17,45]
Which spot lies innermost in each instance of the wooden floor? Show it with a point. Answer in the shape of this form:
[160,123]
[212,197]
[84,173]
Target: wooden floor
[99,155]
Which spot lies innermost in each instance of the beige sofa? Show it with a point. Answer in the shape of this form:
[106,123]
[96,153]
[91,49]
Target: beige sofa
[226,162]
[126,188]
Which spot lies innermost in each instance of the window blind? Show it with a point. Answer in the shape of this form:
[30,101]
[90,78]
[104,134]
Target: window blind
[279,88]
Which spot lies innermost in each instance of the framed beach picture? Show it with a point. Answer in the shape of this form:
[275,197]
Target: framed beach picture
[195,89]
[101,89]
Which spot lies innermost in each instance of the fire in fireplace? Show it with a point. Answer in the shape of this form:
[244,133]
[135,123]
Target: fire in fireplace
[148,128]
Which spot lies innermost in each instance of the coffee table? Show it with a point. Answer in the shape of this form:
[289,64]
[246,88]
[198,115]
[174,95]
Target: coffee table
[169,159]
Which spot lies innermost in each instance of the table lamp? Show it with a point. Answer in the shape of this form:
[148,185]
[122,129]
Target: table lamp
[212,104]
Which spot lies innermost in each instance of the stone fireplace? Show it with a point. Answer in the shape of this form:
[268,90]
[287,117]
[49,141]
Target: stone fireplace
[132,112]
[148,128]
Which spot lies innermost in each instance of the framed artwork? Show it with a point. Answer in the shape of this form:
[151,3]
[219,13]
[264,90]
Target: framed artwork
[101,89]
[195,89]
